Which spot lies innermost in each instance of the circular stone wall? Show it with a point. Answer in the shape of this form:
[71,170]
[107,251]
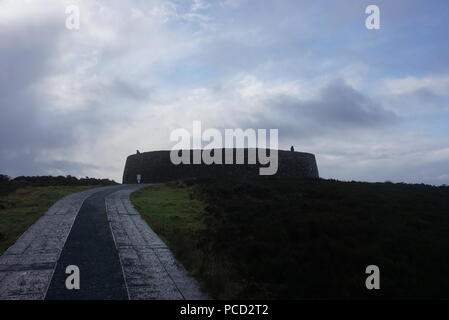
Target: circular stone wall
[156,166]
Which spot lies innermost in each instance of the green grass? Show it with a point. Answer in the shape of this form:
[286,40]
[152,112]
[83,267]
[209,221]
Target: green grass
[176,217]
[20,209]
[305,239]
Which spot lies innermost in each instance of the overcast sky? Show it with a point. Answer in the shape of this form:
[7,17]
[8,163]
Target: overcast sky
[371,104]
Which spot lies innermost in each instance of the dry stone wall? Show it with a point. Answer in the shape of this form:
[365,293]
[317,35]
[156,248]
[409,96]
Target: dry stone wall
[156,166]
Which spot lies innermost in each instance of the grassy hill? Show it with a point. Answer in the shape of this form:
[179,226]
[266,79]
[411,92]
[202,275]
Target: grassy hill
[24,199]
[305,239]
[21,208]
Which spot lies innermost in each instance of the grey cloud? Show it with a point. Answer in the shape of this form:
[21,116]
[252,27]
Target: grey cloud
[421,101]
[434,172]
[340,109]
[26,56]
[130,90]
[69,166]
[342,106]
[279,43]
[26,164]
[28,128]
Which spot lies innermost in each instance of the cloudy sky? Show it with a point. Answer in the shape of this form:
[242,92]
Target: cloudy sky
[371,104]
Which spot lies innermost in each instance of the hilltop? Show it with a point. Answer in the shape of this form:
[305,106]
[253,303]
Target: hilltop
[302,239]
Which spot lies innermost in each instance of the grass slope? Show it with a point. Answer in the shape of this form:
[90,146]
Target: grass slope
[176,217]
[20,209]
[305,239]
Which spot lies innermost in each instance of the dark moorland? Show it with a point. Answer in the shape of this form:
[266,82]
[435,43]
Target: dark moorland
[305,239]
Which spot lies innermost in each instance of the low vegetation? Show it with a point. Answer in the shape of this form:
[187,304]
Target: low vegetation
[24,199]
[305,239]
[176,217]
[8,185]
[21,208]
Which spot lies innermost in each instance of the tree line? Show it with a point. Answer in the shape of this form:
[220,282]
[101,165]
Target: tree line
[7,184]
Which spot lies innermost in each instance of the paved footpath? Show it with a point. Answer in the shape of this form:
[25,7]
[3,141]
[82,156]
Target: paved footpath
[99,231]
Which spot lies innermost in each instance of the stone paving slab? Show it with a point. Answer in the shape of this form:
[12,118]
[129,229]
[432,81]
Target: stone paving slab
[150,269]
[27,267]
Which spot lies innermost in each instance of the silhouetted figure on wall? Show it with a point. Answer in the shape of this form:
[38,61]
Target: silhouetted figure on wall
[292,149]
[137,151]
